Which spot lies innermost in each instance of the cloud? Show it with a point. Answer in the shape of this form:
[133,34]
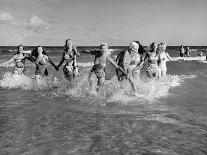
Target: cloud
[15,39]
[6,17]
[35,23]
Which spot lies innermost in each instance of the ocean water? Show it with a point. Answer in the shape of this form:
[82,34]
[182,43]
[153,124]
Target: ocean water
[54,116]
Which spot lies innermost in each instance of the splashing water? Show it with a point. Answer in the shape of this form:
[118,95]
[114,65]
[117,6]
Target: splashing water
[24,82]
[112,92]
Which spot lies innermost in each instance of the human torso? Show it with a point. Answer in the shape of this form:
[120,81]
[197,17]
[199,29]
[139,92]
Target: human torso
[69,56]
[152,60]
[162,60]
[100,59]
[19,60]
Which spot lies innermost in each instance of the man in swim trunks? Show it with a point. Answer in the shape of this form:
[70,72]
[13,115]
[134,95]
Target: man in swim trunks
[98,70]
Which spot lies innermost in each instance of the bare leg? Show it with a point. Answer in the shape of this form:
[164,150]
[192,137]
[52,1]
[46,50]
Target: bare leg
[149,74]
[92,83]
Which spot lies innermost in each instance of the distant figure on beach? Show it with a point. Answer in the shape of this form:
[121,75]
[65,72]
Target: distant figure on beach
[182,51]
[97,73]
[40,59]
[152,56]
[129,60]
[200,54]
[162,58]
[70,68]
[188,52]
[19,59]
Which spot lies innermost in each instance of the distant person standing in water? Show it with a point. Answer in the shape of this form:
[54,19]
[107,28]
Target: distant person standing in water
[97,73]
[182,51]
[19,59]
[162,58]
[188,52]
[70,68]
[40,58]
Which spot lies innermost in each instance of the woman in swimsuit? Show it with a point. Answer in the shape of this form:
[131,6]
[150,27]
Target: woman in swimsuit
[129,60]
[162,58]
[19,59]
[70,68]
[153,70]
[40,59]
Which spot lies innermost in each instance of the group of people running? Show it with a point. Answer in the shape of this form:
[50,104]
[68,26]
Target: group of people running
[128,62]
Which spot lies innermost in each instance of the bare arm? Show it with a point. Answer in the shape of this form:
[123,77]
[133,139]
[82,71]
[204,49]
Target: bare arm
[168,56]
[9,61]
[61,61]
[143,59]
[27,52]
[76,51]
[114,63]
[51,62]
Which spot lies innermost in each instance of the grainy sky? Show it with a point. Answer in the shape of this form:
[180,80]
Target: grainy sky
[90,22]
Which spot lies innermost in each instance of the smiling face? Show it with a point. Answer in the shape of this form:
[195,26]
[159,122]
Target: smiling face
[69,44]
[20,49]
[103,48]
[40,50]
[153,47]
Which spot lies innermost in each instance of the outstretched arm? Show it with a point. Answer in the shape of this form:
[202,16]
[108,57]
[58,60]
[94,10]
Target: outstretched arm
[168,56]
[9,61]
[61,62]
[52,63]
[114,63]
[143,59]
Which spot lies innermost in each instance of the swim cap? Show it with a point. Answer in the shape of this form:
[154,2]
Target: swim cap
[162,46]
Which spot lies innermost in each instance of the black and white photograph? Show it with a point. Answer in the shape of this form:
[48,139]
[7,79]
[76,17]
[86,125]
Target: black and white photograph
[103,77]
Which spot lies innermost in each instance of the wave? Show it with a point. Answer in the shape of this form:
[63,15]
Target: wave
[189,58]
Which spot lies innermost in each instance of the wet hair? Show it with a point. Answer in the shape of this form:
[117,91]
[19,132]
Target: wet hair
[18,49]
[141,49]
[35,53]
[66,41]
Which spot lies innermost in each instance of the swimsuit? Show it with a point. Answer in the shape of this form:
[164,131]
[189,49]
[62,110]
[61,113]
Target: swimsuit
[68,68]
[19,69]
[41,68]
[152,64]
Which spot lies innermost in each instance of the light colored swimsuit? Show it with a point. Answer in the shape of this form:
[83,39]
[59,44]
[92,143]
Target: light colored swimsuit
[153,64]
[162,62]
[69,62]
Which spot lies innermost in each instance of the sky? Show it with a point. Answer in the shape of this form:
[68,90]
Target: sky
[91,22]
